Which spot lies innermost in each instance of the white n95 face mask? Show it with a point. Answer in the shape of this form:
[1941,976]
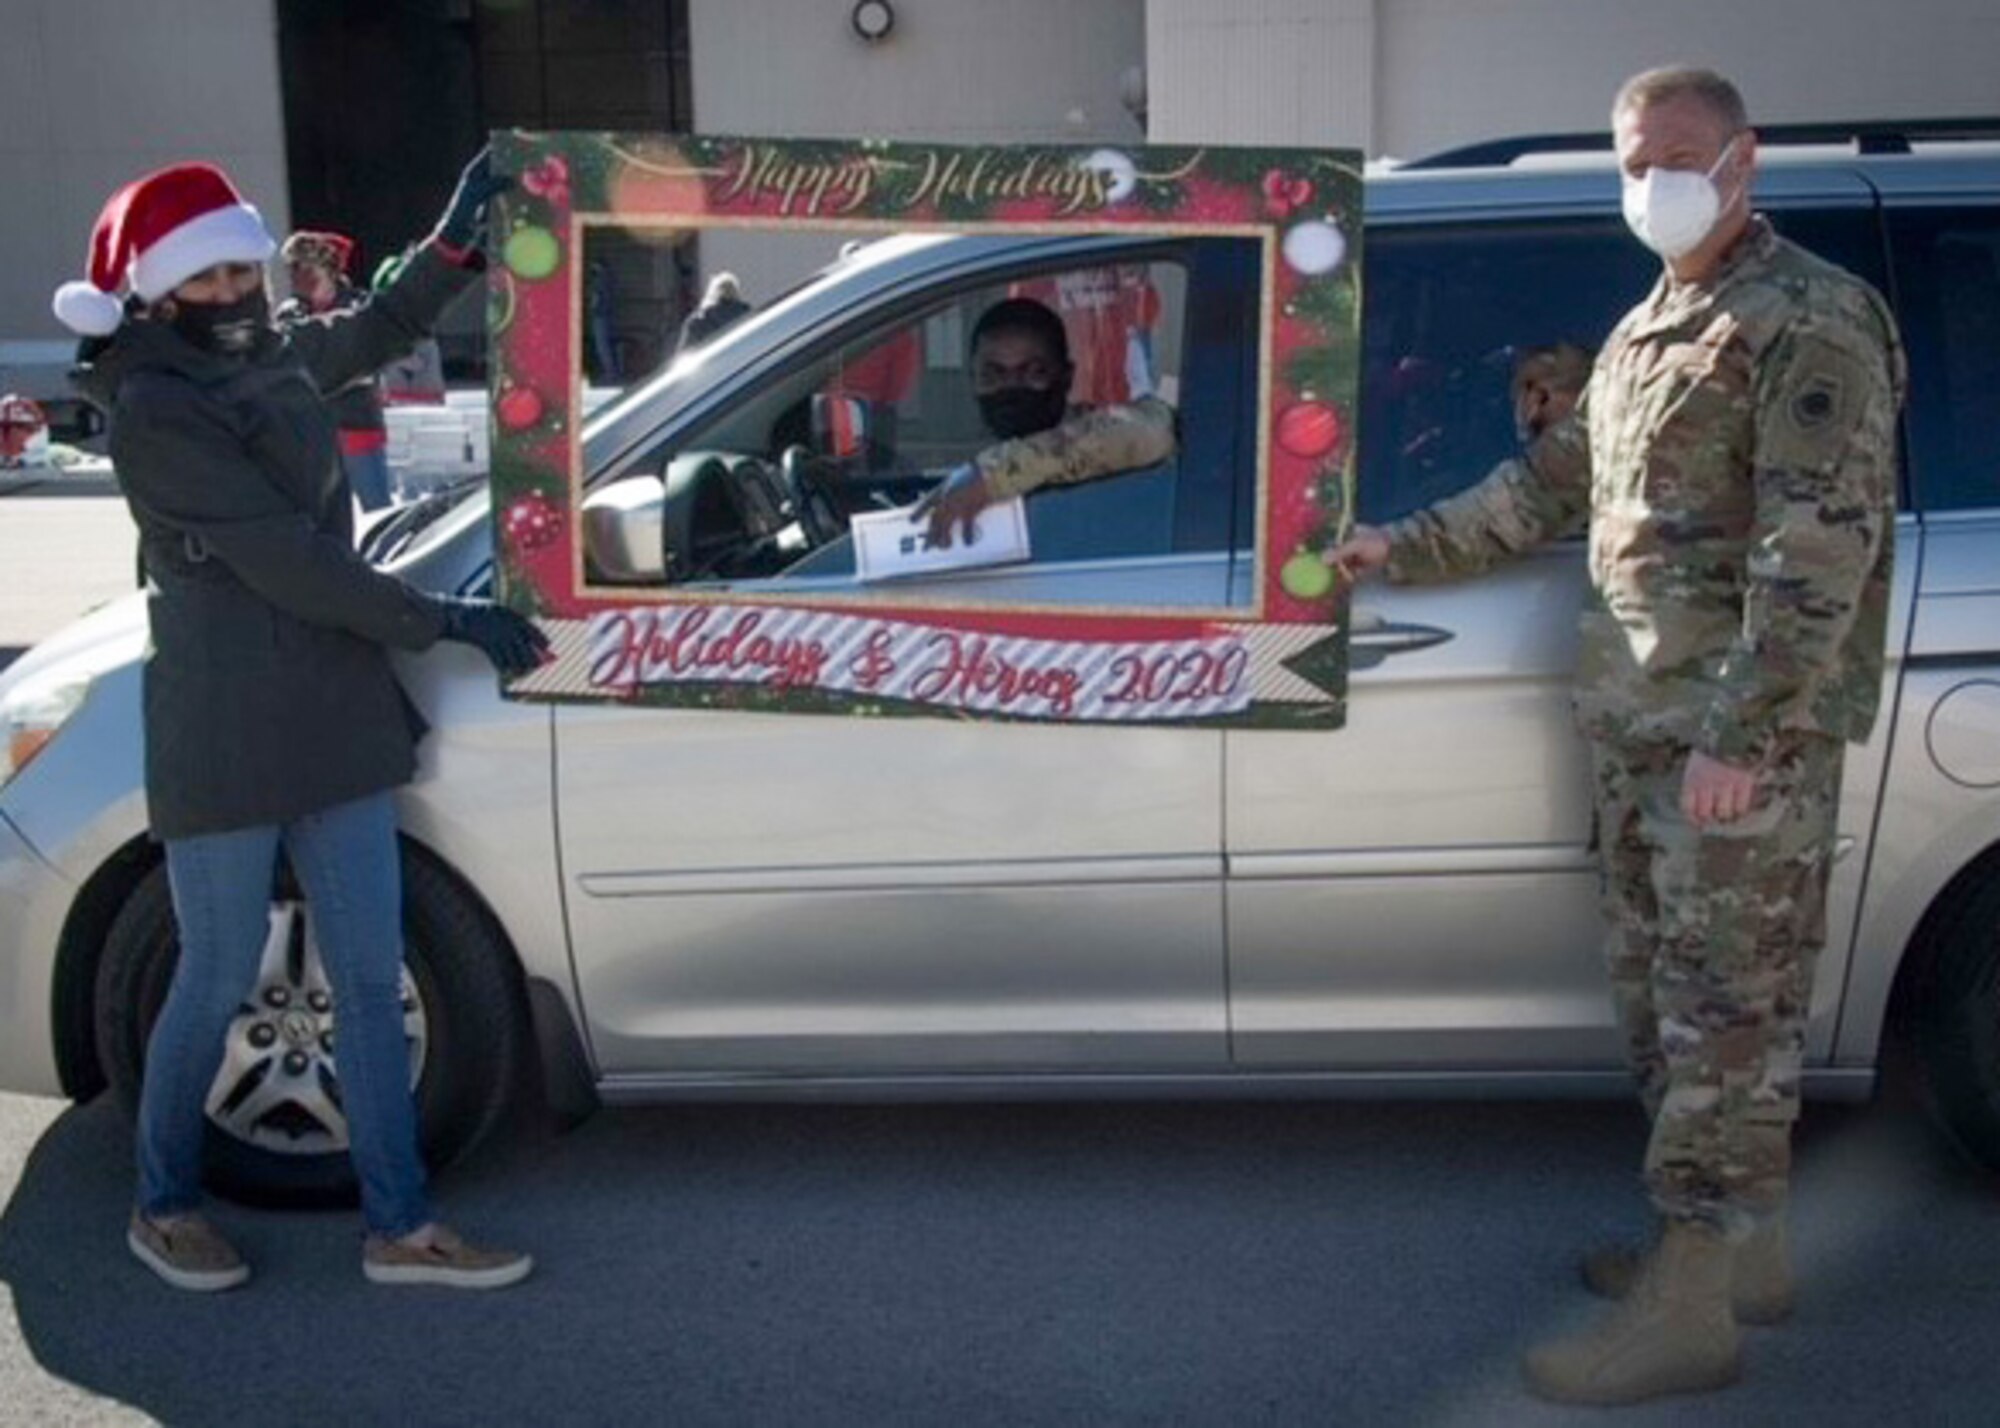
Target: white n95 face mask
[1672,210]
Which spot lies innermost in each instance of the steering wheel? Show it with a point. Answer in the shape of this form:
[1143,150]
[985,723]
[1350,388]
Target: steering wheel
[815,499]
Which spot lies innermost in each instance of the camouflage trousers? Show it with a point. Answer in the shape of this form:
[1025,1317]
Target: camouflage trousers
[1712,936]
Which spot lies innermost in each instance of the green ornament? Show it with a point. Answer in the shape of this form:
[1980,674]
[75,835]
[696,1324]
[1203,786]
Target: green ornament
[531,253]
[1306,577]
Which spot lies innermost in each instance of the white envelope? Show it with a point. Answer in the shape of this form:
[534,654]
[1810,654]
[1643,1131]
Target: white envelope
[889,544]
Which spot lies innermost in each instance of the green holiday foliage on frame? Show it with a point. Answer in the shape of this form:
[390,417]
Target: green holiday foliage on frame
[1331,303]
[1323,371]
[513,474]
[519,588]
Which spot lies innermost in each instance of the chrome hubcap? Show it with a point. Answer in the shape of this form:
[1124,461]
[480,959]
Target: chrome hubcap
[278,1088]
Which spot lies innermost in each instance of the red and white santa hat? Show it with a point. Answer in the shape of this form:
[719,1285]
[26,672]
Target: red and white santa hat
[156,233]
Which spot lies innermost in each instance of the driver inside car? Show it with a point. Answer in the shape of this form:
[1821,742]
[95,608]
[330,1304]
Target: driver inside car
[1021,375]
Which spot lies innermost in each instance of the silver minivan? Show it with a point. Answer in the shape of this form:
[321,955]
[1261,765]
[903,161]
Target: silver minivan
[629,904]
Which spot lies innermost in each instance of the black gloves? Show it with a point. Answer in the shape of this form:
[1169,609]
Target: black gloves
[465,216]
[513,643]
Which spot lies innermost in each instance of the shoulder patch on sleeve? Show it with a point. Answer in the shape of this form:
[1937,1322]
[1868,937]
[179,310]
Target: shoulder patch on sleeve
[1816,400]
[1823,396]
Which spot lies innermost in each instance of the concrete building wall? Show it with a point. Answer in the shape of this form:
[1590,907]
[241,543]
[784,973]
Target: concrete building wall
[1450,72]
[94,93]
[1260,71]
[973,70]
[985,71]
[1409,77]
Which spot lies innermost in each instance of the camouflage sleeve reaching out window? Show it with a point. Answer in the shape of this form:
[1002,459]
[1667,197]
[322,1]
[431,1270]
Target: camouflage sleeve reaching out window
[1520,504]
[1088,444]
[1815,598]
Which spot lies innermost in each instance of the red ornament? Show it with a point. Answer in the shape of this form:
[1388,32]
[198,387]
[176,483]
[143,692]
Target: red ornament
[1284,194]
[549,179]
[1309,429]
[533,522]
[519,408]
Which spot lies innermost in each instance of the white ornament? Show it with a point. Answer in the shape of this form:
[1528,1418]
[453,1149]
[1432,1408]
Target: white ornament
[1120,173]
[1314,248]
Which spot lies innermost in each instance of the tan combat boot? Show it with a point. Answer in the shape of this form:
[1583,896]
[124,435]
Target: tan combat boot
[1674,1333]
[1761,1289]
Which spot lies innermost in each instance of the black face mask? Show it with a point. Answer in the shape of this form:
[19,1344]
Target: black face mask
[228,329]
[1022,411]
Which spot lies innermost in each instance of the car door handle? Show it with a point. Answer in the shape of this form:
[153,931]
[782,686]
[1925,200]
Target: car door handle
[1372,639]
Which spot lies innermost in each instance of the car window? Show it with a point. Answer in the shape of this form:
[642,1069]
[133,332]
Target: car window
[1448,310]
[888,407]
[1948,284]
[1848,237]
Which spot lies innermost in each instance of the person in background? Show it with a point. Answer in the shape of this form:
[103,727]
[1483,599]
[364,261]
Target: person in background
[417,378]
[600,324]
[273,719]
[722,304]
[317,265]
[1547,384]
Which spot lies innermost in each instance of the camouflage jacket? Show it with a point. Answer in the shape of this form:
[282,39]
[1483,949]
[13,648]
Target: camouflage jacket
[1735,456]
[1090,442]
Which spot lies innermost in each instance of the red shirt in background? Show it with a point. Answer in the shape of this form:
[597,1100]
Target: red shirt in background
[886,373]
[1109,315]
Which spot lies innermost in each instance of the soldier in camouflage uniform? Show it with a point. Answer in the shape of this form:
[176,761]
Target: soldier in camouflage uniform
[1547,384]
[1734,457]
[1021,374]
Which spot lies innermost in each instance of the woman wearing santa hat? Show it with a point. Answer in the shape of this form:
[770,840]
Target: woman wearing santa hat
[273,719]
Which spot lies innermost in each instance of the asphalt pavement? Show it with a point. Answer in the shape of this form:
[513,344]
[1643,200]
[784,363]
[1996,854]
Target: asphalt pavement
[1277,1263]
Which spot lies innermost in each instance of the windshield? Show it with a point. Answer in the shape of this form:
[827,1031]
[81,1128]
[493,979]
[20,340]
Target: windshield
[660,385]
[657,394]
[419,524]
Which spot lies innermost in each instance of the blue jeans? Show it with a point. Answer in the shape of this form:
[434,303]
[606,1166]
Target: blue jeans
[346,861]
[368,476]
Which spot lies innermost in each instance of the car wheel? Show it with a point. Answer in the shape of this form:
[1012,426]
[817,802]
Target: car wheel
[1958,1027]
[277,1134]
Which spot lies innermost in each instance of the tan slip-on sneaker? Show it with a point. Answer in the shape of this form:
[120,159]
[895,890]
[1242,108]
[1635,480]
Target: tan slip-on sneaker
[443,1259]
[187,1252]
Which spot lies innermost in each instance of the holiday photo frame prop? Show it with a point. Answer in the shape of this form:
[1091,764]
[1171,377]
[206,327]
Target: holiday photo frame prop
[1279,661]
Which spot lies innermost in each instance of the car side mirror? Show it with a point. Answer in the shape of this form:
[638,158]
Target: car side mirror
[623,535]
[840,425]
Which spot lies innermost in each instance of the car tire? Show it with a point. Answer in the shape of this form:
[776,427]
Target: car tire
[470,1056]
[1957,1031]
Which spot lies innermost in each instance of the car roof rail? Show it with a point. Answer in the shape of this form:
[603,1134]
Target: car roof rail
[1870,136]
